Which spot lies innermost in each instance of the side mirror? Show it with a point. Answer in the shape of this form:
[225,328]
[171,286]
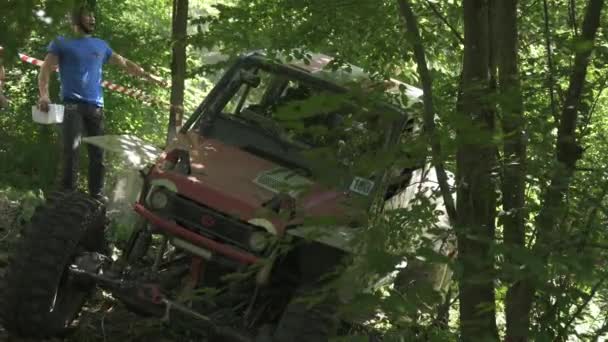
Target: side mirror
[250,78]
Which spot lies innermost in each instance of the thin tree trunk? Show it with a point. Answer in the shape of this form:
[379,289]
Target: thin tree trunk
[441,17]
[551,73]
[178,66]
[493,41]
[476,160]
[411,24]
[514,162]
[568,153]
[572,13]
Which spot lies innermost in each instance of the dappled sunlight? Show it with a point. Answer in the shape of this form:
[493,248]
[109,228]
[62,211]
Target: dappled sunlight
[131,149]
[308,190]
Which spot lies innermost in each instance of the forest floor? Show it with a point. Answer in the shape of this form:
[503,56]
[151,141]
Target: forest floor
[102,320]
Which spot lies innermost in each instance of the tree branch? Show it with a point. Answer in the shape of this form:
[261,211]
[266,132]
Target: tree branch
[580,308]
[429,109]
[572,13]
[568,153]
[580,244]
[445,21]
[601,331]
[593,106]
[551,73]
[597,245]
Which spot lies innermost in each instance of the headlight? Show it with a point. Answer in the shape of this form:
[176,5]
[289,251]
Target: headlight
[258,241]
[158,200]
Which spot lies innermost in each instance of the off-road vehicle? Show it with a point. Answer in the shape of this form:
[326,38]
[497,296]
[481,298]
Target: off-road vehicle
[248,211]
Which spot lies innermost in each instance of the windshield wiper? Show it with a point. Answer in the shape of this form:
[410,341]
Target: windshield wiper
[287,162]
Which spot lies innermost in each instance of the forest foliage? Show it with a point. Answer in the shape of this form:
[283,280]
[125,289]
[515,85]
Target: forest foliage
[561,262]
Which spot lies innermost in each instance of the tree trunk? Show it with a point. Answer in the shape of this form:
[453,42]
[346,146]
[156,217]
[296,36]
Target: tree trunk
[568,153]
[514,162]
[178,66]
[476,200]
[411,24]
[551,72]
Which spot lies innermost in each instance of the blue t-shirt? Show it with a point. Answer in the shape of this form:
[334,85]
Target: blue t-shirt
[80,67]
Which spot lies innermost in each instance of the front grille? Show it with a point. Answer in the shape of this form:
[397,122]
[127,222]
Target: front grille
[281,180]
[271,183]
[207,221]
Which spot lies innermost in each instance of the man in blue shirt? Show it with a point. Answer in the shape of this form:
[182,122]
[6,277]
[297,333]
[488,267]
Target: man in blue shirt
[81,59]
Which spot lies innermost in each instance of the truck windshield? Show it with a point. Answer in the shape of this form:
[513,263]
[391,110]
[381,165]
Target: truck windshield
[294,118]
[303,113]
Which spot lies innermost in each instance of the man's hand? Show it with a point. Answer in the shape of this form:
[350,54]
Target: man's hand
[44,103]
[135,69]
[50,62]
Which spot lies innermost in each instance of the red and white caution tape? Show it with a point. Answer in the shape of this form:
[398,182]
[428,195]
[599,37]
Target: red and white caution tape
[31,60]
[135,93]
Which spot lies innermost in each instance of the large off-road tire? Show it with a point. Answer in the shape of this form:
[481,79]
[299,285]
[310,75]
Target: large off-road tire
[39,297]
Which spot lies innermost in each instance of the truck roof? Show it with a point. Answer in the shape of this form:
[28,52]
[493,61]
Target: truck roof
[317,64]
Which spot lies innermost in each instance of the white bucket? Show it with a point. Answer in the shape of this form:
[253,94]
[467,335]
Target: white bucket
[54,116]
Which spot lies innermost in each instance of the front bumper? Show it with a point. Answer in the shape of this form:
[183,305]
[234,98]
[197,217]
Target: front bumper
[173,229]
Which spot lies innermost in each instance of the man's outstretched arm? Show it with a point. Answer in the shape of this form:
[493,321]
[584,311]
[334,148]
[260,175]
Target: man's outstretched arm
[135,69]
[50,63]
